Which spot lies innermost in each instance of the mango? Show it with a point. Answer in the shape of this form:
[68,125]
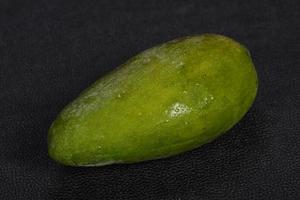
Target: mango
[166,100]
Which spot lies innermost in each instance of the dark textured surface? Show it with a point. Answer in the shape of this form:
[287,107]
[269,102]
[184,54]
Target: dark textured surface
[52,50]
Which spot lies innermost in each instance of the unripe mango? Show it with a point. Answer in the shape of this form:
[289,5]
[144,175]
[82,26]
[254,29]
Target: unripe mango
[166,100]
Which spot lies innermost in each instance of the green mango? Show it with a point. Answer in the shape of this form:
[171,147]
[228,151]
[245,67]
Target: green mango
[168,99]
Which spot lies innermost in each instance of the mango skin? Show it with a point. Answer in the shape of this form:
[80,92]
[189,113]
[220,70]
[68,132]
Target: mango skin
[164,101]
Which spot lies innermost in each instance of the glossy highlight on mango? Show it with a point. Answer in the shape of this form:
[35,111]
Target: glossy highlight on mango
[166,100]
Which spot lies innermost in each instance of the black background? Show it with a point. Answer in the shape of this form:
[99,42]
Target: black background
[51,50]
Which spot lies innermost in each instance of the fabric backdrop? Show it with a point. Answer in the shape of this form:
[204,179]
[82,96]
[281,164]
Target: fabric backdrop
[51,50]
